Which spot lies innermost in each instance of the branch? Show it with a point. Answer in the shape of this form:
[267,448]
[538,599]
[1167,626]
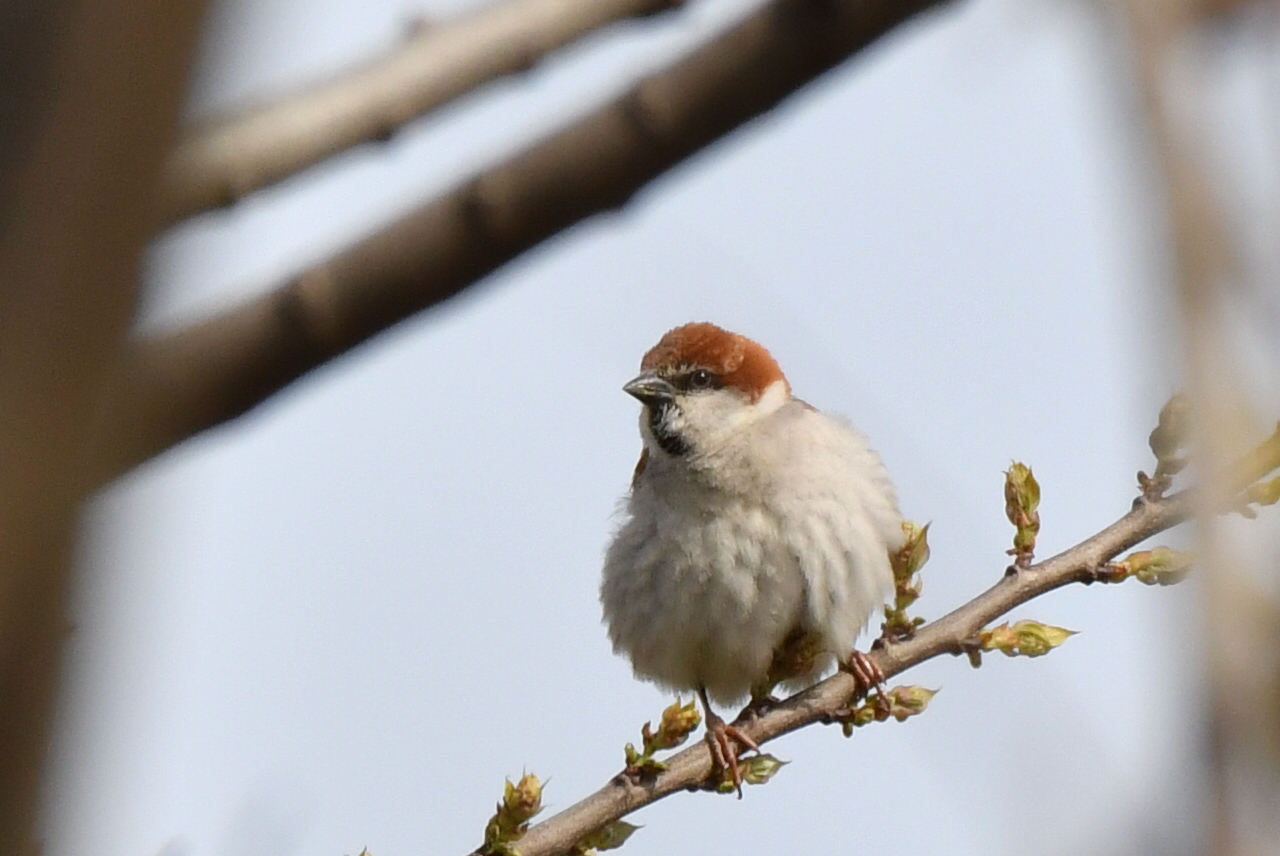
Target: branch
[954,633]
[89,93]
[217,164]
[171,387]
[1212,273]
[951,634]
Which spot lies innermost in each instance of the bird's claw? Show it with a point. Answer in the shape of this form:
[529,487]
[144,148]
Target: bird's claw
[866,672]
[723,740]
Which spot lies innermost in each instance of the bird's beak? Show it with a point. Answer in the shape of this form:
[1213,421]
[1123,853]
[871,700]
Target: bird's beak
[650,389]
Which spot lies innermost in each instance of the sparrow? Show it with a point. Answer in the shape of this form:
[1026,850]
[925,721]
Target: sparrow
[756,536]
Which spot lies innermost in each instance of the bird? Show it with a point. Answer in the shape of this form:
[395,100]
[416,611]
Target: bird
[755,541]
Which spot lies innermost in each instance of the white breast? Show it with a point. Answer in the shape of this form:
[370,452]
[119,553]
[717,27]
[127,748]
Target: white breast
[723,554]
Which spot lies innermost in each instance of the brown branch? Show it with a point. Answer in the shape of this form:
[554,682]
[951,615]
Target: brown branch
[90,95]
[216,164]
[172,387]
[954,633]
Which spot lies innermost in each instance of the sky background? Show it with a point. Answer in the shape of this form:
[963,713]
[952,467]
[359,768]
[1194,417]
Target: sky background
[342,620]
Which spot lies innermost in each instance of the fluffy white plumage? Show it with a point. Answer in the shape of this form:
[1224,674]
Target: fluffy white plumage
[752,517]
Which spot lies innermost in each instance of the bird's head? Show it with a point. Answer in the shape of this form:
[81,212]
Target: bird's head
[701,384]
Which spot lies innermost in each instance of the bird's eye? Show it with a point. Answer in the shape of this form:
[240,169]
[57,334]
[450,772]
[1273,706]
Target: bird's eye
[701,379]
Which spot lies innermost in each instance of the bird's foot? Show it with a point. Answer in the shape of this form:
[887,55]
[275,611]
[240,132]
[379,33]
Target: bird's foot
[724,740]
[866,673]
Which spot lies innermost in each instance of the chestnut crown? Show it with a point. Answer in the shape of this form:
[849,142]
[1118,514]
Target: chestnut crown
[702,355]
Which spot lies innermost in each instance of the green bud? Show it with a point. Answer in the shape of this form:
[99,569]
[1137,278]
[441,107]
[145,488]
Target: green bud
[755,770]
[898,703]
[1265,493]
[906,563]
[1021,504]
[1160,566]
[520,802]
[1025,638]
[611,836]
[759,769]
[1170,434]
[909,701]
[914,551]
[1021,493]
[523,799]
[1168,438]
[677,723]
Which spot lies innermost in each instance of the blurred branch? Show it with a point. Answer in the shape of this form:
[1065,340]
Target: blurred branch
[171,387]
[956,633]
[216,164]
[1242,626]
[90,92]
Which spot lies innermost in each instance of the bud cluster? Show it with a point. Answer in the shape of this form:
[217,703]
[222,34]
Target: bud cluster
[677,723]
[756,770]
[1024,638]
[906,563]
[1021,504]
[520,802]
[1160,566]
[1167,440]
[899,703]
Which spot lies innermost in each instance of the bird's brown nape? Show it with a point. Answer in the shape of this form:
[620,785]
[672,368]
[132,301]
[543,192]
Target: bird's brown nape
[739,362]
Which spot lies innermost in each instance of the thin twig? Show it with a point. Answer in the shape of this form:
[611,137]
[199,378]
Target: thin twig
[954,633]
[172,387]
[216,164]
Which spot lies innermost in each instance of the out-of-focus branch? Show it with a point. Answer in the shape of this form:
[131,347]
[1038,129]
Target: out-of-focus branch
[169,388]
[1242,626]
[954,633]
[216,164]
[91,92]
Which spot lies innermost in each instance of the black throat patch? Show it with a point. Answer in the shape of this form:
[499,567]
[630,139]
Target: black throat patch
[668,440]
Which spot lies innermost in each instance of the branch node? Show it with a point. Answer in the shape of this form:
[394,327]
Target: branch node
[642,116]
[307,316]
[478,211]
[970,647]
